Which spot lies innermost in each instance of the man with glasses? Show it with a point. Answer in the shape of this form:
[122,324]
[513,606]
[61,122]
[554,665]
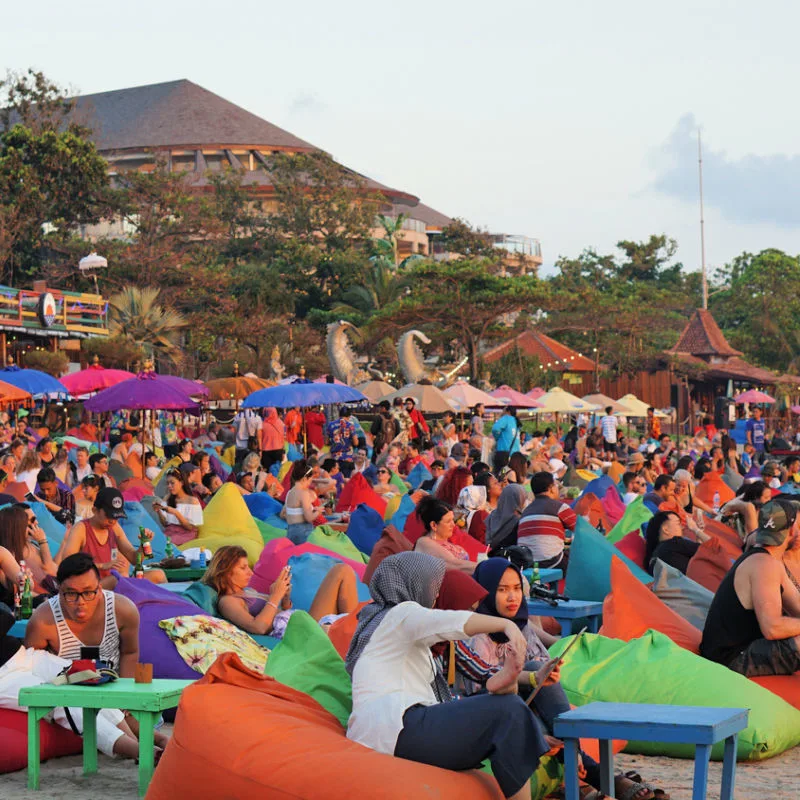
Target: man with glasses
[99,464]
[635,486]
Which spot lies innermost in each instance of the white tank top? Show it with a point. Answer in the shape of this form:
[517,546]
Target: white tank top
[69,645]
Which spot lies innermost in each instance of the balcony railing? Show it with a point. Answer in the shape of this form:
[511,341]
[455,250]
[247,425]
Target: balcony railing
[74,312]
[520,245]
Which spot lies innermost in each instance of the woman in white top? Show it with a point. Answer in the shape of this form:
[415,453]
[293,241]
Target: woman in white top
[28,470]
[401,701]
[181,514]
[299,508]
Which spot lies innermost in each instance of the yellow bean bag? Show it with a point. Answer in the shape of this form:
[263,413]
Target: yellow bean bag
[285,467]
[392,504]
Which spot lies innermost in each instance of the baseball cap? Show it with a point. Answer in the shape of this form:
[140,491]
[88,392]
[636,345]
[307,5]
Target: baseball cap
[457,450]
[111,501]
[775,520]
[187,468]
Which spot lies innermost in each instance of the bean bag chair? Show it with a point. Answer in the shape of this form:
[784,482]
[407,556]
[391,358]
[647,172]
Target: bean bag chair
[118,471]
[261,505]
[785,686]
[414,528]
[285,469]
[709,565]
[342,631]
[391,542]
[392,504]
[53,529]
[308,572]
[365,528]
[612,503]
[156,604]
[357,491]
[139,518]
[397,481]
[54,741]
[727,535]
[686,598]
[589,505]
[337,542]
[276,555]
[251,765]
[134,489]
[268,531]
[589,570]
[17,489]
[275,521]
[631,609]
[293,453]
[616,471]
[134,463]
[406,507]
[226,520]
[473,547]
[419,473]
[634,547]
[636,514]
[599,486]
[583,477]
[601,669]
[709,485]
[147,505]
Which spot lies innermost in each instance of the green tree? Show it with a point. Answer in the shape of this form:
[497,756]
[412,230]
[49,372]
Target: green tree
[463,239]
[521,372]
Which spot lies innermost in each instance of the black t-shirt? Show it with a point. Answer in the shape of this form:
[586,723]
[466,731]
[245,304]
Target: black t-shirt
[677,552]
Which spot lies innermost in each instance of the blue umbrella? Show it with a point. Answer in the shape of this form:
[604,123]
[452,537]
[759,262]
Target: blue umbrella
[33,381]
[302,395]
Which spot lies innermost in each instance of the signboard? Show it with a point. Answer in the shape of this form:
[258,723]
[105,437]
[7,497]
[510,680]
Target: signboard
[47,309]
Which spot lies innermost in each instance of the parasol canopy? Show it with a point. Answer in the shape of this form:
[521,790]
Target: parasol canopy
[464,396]
[145,391]
[429,398]
[560,401]
[375,390]
[33,381]
[535,393]
[753,396]
[236,387]
[302,395]
[93,379]
[603,401]
[506,396]
[637,407]
[12,394]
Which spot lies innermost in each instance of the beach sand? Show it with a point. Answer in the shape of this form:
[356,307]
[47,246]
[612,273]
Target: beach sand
[777,778]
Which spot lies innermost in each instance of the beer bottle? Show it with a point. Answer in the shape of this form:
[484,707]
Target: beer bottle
[168,548]
[139,571]
[26,605]
[144,543]
[536,577]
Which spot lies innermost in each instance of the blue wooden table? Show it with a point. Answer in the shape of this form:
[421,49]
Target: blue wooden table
[566,611]
[549,577]
[702,727]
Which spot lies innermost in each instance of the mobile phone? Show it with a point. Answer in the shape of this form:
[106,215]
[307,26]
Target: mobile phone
[557,662]
[92,653]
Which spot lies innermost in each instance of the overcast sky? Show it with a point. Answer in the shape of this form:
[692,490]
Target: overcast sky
[572,122]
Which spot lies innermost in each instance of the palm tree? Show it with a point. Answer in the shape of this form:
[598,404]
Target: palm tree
[135,314]
[381,286]
[392,226]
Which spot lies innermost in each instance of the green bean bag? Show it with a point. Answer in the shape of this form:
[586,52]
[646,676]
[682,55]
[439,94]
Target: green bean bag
[652,669]
[636,514]
[337,542]
[589,570]
[269,532]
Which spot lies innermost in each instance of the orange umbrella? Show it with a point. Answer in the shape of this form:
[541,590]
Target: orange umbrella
[12,394]
[235,388]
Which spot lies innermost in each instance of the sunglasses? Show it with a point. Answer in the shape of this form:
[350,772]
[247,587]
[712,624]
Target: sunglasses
[383,472]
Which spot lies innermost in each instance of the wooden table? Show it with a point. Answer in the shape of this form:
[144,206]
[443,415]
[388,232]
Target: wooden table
[700,726]
[566,611]
[144,701]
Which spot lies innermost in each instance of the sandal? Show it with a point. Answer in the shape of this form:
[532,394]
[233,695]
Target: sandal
[635,791]
[588,792]
[658,794]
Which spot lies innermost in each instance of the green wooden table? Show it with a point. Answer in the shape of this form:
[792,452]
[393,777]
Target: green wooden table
[144,701]
[184,574]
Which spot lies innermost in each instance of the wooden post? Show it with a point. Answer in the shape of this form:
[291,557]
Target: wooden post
[3,349]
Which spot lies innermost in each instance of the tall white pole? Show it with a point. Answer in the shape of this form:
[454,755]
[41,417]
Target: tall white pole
[702,222]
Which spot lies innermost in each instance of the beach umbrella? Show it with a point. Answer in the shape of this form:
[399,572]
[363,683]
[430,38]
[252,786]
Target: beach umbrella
[603,401]
[236,387]
[33,381]
[465,396]
[506,396]
[753,396]
[560,401]
[145,391]
[535,393]
[184,385]
[302,395]
[637,407]
[429,398]
[12,394]
[93,379]
[375,390]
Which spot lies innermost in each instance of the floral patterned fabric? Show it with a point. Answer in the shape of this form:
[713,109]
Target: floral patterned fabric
[200,639]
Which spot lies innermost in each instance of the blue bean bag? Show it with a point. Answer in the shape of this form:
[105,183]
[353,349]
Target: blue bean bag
[275,521]
[404,510]
[365,528]
[599,486]
[53,529]
[139,518]
[308,572]
[293,453]
[418,474]
[261,505]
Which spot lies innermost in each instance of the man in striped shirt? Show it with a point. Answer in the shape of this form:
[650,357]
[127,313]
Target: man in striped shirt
[544,522]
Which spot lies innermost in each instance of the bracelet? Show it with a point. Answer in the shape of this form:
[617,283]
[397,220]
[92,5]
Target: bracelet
[532,679]
[270,603]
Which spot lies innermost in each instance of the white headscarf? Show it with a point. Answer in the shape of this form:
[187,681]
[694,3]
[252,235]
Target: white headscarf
[471,499]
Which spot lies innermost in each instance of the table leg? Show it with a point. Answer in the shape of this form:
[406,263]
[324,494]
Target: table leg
[147,722]
[566,627]
[729,768]
[594,623]
[89,741]
[702,754]
[571,782]
[34,715]
[606,767]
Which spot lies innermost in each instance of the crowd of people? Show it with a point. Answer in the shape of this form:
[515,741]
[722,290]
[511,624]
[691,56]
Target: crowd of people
[484,490]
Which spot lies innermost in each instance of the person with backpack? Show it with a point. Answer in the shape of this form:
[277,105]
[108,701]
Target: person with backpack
[384,430]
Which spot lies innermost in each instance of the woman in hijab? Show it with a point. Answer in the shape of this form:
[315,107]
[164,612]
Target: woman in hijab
[501,524]
[401,701]
[471,499]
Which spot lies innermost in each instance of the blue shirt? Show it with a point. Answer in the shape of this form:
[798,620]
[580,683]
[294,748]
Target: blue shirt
[505,434]
[756,429]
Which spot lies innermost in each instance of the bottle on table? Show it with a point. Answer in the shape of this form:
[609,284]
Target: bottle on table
[139,571]
[535,576]
[144,543]
[17,603]
[169,550]
[202,558]
[26,603]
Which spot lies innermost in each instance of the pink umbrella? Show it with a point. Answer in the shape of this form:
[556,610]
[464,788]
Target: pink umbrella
[93,379]
[753,396]
[795,409]
[536,392]
[511,397]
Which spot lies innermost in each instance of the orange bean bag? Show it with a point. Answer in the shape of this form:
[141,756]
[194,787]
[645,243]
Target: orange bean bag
[589,505]
[711,483]
[631,609]
[54,741]
[134,464]
[239,734]
[727,536]
[785,686]
[710,564]
[342,631]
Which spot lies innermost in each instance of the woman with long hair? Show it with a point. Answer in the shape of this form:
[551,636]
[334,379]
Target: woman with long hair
[180,513]
[298,510]
[453,481]
[21,539]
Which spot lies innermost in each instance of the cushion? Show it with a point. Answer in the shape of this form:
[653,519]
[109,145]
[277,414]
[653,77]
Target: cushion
[612,503]
[139,517]
[711,483]
[308,572]
[269,532]
[589,571]
[54,741]
[195,765]
[636,514]
[601,669]
[709,565]
[118,471]
[686,598]
[134,489]
[343,629]
[589,505]
[54,530]
[147,503]
[405,508]
[392,504]
[306,660]
[599,486]
[336,542]
[729,538]
[365,528]
[357,490]
[200,639]
[204,596]
[391,542]
[414,528]
[631,609]
[634,546]
[419,473]
[261,505]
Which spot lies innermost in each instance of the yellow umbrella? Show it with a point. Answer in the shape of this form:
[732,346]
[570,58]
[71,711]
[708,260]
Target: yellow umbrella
[560,401]
[375,390]
[637,407]
[428,398]
[604,401]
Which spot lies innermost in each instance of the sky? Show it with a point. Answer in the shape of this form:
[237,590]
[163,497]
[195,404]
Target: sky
[575,123]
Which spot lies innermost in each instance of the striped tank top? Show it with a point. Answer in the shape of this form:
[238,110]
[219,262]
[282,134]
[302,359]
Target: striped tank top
[69,645]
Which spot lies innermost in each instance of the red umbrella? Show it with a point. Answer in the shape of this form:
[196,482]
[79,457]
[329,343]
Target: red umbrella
[507,396]
[93,379]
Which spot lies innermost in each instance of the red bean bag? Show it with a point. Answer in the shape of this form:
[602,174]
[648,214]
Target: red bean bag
[727,536]
[589,505]
[710,564]
[358,490]
[240,734]
[134,489]
[631,609]
[785,686]
[634,546]
[391,542]
[414,528]
[54,741]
